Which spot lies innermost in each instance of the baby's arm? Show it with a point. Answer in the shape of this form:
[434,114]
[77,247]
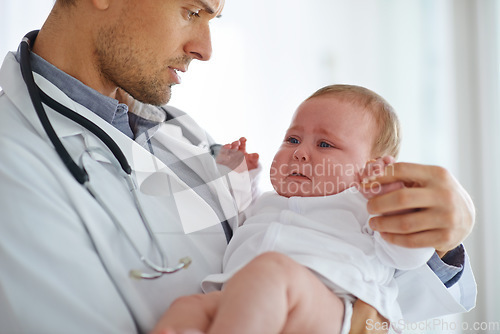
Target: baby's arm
[242,170]
[399,257]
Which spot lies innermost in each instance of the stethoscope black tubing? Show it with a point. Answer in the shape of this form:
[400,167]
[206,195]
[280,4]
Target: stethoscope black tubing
[78,173]
[38,96]
[89,125]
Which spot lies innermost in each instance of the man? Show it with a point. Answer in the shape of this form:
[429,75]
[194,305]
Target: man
[66,254]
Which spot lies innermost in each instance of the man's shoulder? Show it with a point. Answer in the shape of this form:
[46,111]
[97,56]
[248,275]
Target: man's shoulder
[15,130]
[7,112]
[7,106]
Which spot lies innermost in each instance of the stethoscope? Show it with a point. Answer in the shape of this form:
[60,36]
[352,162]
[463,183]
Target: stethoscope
[117,158]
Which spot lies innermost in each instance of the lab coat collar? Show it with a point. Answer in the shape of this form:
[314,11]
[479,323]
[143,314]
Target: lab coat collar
[14,87]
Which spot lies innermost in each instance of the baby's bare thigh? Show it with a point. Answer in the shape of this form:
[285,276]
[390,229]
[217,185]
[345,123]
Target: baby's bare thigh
[312,307]
[319,310]
[190,312]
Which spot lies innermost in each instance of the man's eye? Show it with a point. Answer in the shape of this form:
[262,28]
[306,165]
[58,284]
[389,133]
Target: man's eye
[191,14]
[324,144]
[292,140]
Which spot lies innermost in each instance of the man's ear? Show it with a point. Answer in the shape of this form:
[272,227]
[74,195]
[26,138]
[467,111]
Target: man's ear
[101,4]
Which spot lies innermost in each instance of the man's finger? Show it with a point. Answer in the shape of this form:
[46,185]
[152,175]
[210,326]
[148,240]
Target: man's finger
[412,174]
[403,199]
[408,223]
[431,239]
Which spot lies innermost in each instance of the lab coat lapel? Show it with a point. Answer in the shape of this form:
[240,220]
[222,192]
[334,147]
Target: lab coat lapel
[14,86]
[202,163]
[148,169]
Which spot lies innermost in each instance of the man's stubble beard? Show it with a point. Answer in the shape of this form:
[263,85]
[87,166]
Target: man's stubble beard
[126,68]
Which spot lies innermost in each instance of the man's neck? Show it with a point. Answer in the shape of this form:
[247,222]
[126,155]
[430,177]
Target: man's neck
[69,46]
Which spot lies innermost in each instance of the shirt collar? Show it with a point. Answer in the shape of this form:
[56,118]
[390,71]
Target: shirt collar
[103,106]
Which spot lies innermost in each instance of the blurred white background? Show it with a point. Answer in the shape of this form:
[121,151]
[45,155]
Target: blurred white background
[436,62]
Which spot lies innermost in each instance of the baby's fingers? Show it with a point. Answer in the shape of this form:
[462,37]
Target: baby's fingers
[243,144]
[374,168]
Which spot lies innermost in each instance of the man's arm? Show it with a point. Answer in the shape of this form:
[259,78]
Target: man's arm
[450,268]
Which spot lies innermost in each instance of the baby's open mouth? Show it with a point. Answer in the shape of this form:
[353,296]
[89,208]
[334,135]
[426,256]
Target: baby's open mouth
[298,175]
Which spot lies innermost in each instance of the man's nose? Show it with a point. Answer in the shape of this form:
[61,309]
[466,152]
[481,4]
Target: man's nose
[200,45]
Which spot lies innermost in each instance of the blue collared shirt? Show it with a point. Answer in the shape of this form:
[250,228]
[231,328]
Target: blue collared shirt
[449,269]
[105,107]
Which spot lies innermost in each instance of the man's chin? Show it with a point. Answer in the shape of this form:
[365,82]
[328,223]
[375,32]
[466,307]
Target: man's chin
[156,99]
[156,95]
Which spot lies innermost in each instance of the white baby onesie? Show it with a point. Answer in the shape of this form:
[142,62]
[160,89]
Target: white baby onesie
[331,236]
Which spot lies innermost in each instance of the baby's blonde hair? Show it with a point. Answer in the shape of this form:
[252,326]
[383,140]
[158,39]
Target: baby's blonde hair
[388,139]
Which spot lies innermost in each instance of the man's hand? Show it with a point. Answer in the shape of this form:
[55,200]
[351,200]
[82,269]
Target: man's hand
[441,213]
[366,320]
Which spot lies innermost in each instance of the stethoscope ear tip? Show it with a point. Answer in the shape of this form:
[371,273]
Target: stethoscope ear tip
[135,274]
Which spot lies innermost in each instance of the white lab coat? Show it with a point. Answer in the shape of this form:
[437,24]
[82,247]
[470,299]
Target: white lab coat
[52,280]
[55,279]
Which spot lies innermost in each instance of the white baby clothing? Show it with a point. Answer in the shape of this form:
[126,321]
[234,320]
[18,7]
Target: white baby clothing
[329,235]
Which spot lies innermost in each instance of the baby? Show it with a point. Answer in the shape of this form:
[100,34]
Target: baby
[306,252]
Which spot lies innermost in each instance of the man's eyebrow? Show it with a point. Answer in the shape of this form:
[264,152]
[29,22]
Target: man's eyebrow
[206,7]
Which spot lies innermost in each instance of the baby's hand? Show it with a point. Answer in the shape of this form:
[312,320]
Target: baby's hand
[373,169]
[235,156]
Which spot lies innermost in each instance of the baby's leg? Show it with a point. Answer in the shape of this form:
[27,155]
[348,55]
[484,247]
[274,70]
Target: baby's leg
[189,312]
[274,294]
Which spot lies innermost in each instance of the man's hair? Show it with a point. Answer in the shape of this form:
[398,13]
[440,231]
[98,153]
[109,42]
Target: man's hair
[66,2]
[388,139]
